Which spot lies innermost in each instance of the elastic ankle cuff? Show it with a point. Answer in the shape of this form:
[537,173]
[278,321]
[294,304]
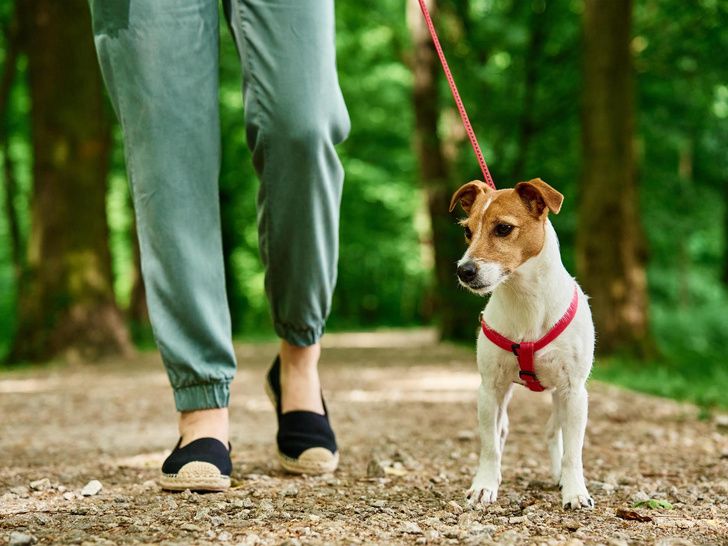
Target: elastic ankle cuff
[301,337]
[206,396]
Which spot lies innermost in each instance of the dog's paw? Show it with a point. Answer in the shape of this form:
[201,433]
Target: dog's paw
[482,493]
[576,500]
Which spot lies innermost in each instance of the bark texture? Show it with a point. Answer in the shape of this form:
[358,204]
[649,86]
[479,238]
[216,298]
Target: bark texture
[455,308]
[611,248]
[66,301]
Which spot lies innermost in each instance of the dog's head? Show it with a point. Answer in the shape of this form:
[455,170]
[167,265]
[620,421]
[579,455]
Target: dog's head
[504,229]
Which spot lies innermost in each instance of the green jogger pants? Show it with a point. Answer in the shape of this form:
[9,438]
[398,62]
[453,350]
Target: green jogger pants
[159,59]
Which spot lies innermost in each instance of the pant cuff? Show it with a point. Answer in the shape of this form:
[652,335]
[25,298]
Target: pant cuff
[300,337]
[205,396]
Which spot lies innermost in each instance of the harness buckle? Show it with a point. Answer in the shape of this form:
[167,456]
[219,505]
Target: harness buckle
[530,374]
[515,348]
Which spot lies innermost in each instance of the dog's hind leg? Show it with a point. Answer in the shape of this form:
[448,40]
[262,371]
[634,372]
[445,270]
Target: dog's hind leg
[573,408]
[554,439]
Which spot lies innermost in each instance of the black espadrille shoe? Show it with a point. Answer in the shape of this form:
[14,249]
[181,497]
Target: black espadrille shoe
[306,442]
[201,465]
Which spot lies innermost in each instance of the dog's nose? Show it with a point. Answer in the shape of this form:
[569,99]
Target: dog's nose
[467,271]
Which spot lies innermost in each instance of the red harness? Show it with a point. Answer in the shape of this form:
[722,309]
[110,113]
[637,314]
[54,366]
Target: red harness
[525,349]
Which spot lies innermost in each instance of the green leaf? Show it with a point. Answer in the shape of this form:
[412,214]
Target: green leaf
[654,504]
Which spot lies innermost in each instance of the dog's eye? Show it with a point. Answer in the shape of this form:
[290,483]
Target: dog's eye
[501,230]
[468,233]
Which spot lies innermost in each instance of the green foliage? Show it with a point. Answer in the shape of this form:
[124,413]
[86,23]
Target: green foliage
[654,504]
[517,65]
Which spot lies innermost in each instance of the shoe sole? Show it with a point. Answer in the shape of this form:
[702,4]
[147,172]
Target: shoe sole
[313,461]
[196,476]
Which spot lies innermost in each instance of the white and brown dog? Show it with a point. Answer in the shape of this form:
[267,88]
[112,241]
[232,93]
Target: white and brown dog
[537,328]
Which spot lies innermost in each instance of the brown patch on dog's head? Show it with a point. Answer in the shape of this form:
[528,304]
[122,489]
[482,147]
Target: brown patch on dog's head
[504,228]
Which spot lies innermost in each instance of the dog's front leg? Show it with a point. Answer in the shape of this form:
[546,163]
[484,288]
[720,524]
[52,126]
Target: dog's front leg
[485,485]
[573,409]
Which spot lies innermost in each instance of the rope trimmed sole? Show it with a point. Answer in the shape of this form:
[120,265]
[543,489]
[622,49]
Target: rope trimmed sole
[196,476]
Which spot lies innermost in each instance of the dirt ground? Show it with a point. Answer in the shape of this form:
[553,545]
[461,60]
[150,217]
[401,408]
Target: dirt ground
[397,399]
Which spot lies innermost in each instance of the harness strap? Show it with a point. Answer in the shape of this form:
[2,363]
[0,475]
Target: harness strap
[525,350]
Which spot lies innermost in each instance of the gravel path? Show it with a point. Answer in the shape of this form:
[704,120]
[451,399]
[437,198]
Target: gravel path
[404,410]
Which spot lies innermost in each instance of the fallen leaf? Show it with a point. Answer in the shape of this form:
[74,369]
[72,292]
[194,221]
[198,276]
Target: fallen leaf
[631,515]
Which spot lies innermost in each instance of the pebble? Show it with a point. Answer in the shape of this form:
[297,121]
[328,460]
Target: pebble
[43,484]
[225,536]
[69,495]
[410,528]
[247,503]
[571,524]
[21,491]
[191,527]
[41,519]
[721,421]
[291,491]
[454,508]
[217,521]
[21,539]
[379,504]
[640,496]
[466,435]
[375,469]
[518,519]
[91,488]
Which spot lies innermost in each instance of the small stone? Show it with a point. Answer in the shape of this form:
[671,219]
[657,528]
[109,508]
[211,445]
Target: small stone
[721,421]
[248,503]
[432,535]
[61,488]
[571,524]
[466,435]
[92,488]
[375,469]
[421,540]
[225,536]
[40,519]
[379,504]
[41,485]
[217,521]
[69,495]
[313,518]
[640,496]
[410,528]
[291,491]
[574,542]
[191,527]
[518,519]
[454,508]
[21,491]
[21,539]
[150,484]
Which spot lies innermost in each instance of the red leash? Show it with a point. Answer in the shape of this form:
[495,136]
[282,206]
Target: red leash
[525,350]
[454,89]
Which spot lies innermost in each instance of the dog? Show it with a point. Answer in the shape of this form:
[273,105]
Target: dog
[536,329]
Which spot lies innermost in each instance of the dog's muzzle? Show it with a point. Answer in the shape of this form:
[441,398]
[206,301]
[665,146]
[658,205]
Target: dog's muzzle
[467,272]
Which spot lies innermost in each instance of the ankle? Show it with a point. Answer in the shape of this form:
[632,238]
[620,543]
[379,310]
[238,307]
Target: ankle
[297,359]
[205,423]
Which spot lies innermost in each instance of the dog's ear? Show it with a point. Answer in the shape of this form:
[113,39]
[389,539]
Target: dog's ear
[538,196]
[468,193]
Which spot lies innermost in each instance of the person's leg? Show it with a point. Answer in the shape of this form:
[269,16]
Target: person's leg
[159,59]
[294,115]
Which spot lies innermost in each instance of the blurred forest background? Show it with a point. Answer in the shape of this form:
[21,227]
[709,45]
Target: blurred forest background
[621,105]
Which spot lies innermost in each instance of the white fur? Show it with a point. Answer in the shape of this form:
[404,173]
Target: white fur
[523,308]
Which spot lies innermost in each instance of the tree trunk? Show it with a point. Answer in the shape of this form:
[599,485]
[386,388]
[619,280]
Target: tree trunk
[611,248]
[456,309]
[66,300]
